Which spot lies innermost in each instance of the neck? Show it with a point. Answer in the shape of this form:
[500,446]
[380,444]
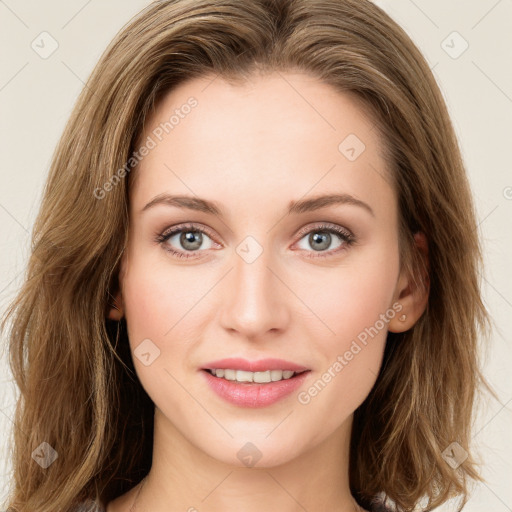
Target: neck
[184,477]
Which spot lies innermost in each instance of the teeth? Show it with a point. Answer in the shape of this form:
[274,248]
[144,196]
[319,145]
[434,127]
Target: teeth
[228,374]
[258,377]
[262,376]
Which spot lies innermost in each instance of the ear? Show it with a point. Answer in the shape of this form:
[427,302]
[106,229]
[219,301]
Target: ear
[115,311]
[413,297]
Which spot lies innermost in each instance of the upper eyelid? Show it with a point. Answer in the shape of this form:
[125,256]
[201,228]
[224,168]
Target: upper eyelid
[182,227]
[345,234]
[301,233]
[324,225]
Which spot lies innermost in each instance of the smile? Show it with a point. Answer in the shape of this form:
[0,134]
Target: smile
[257,377]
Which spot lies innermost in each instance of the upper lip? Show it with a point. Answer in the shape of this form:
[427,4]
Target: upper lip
[237,363]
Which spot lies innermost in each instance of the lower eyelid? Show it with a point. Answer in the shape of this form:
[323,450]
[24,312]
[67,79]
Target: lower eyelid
[346,241]
[165,237]
[346,237]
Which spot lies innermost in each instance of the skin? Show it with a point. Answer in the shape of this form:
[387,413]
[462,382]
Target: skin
[253,148]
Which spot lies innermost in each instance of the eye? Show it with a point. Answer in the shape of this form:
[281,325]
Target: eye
[188,238]
[320,238]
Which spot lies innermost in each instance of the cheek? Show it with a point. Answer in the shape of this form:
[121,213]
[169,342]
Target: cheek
[155,297]
[355,307]
[354,297]
[164,305]
[143,303]
[153,310]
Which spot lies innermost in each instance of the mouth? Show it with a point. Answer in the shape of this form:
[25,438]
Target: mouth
[254,383]
[248,377]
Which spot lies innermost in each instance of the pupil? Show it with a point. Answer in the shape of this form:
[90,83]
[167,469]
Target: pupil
[320,241]
[191,240]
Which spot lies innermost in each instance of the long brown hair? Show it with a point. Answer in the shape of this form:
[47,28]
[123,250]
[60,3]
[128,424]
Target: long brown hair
[73,367]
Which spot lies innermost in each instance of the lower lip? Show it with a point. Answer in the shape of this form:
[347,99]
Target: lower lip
[251,394]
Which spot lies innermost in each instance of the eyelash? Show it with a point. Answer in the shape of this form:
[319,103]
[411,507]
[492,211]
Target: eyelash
[346,236]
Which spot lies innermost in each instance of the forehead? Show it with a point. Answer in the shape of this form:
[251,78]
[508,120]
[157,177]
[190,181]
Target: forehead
[273,134]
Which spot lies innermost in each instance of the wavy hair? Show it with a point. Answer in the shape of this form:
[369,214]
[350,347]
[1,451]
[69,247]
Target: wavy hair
[78,388]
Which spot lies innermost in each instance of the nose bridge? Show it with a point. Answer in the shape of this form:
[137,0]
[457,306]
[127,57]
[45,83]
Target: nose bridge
[254,303]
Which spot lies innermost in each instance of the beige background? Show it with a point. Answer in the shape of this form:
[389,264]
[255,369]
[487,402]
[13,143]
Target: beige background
[37,95]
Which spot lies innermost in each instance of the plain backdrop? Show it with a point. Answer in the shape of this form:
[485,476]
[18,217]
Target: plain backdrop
[467,44]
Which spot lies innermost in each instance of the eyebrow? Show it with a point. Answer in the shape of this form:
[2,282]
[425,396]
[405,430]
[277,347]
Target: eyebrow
[294,207]
[323,201]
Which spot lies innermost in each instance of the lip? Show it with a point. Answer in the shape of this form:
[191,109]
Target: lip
[252,394]
[238,363]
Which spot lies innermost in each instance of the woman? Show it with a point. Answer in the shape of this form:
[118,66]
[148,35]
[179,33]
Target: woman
[254,276]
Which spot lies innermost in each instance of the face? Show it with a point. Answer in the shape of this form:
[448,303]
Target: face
[248,265]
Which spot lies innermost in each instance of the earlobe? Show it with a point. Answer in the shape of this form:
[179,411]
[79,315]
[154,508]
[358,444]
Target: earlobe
[411,294]
[115,311]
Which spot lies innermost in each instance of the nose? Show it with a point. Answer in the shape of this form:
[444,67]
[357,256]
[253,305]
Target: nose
[256,299]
